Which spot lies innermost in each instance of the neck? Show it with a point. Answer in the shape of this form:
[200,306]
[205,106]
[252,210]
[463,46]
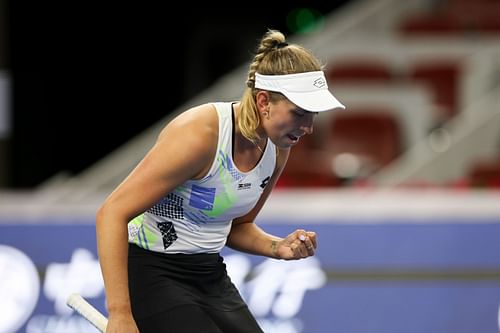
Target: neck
[261,145]
[245,143]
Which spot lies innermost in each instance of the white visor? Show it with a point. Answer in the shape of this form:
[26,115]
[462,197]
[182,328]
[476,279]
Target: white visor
[307,90]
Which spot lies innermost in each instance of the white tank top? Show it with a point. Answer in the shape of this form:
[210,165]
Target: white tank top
[196,217]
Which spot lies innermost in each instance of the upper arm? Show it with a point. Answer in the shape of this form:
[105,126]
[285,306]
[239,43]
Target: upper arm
[183,151]
[281,160]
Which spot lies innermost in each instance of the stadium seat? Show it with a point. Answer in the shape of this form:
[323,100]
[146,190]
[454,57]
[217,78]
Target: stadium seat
[363,141]
[485,173]
[429,25]
[455,17]
[308,166]
[358,70]
[442,77]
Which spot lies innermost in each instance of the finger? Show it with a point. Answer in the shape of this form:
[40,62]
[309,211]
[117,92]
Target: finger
[312,237]
[309,247]
[296,235]
[300,234]
[309,242]
[296,249]
[301,250]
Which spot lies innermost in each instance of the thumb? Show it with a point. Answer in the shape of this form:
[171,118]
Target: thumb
[299,234]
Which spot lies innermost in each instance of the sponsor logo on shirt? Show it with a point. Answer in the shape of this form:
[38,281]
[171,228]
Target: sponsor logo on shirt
[244,186]
[265,181]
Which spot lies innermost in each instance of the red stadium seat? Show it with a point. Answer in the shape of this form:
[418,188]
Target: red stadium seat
[485,173]
[307,166]
[455,17]
[429,25]
[358,70]
[442,77]
[364,140]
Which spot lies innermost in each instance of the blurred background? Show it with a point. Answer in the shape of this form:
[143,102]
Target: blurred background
[403,188]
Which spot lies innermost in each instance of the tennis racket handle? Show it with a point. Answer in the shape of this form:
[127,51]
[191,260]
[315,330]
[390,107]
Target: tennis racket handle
[87,311]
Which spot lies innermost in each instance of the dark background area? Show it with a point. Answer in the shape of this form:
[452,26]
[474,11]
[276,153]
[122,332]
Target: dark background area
[87,77]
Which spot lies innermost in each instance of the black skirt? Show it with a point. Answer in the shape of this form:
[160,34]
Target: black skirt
[159,282]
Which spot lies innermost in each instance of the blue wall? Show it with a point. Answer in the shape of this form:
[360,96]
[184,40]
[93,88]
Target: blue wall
[392,277]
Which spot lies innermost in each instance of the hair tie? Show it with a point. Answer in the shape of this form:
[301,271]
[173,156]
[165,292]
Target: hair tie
[250,83]
[278,45]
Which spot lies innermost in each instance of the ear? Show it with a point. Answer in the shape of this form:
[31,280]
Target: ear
[262,100]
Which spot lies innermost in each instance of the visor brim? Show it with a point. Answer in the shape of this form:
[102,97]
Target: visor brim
[314,101]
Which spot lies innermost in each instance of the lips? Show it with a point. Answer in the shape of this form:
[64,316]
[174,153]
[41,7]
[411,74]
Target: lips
[293,137]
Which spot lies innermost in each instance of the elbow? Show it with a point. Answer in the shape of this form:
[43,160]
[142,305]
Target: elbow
[102,215]
[112,213]
[99,217]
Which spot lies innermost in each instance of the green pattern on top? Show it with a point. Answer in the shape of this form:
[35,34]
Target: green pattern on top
[225,200]
[143,237]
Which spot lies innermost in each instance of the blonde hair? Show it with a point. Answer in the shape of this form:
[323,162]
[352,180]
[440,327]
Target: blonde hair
[273,57]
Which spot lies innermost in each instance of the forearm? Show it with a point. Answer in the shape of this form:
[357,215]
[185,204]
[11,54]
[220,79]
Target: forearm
[248,237]
[112,244]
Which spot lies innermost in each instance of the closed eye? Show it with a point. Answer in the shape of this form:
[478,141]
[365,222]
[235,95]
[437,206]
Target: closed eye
[299,112]
[302,113]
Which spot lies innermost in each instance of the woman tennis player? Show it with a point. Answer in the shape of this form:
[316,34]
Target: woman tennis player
[200,188]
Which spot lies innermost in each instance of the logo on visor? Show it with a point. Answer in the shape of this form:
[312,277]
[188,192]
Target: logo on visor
[319,82]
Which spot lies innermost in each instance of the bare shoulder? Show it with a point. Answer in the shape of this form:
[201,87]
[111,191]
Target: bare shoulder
[197,122]
[191,137]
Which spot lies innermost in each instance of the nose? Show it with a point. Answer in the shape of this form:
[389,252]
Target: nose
[307,125]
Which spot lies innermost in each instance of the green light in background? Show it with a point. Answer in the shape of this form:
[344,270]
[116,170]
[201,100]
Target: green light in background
[303,20]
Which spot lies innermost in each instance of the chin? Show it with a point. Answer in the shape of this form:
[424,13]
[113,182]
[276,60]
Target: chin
[285,144]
